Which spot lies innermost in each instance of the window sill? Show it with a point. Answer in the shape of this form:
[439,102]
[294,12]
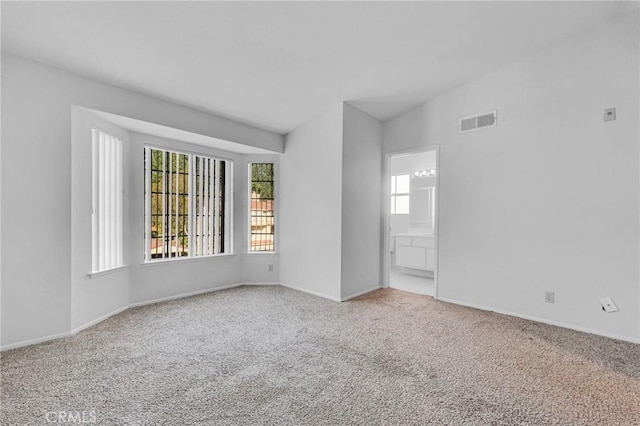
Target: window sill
[185,259]
[106,271]
[261,253]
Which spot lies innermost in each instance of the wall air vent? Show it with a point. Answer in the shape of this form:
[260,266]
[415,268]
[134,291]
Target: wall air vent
[477,122]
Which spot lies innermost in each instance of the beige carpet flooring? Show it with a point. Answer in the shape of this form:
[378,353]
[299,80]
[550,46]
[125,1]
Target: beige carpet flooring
[273,356]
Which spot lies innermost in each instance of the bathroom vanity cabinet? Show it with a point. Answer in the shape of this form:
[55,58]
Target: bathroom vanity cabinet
[416,251]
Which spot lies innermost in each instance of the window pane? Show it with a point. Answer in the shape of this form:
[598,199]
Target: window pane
[402,204]
[402,184]
[184,217]
[262,207]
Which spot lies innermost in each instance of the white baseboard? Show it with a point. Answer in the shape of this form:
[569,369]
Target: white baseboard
[150,302]
[66,333]
[110,314]
[182,295]
[542,320]
[260,283]
[303,290]
[99,319]
[313,293]
[353,296]
[35,341]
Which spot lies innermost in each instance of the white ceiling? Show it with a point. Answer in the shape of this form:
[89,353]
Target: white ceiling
[277,65]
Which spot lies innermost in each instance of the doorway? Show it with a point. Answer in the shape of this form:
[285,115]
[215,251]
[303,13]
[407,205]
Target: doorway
[411,240]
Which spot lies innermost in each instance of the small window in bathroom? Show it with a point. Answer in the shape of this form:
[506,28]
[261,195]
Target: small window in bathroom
[400,194]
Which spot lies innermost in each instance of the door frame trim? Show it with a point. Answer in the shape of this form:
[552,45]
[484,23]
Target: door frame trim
[386,190]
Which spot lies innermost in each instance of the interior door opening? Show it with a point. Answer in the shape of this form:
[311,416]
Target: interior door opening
[411,240]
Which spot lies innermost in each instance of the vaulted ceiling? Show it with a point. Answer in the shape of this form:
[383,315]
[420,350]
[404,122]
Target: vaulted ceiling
[277,65]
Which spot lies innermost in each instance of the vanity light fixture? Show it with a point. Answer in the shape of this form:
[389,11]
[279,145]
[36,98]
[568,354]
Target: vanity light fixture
[424,173]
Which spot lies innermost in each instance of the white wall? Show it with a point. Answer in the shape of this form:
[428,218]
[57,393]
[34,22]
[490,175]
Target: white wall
[36,185]
[361,202]
[548,199]
[331,176]
[0,212]
[311,206]
[36,223]
[158,280]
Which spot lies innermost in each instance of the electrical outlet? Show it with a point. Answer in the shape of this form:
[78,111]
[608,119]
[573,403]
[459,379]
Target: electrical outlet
[608,305]
[609,114]
[549,297]
[271,267]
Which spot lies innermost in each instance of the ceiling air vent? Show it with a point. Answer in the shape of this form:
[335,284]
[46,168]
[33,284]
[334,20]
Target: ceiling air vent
[478,122]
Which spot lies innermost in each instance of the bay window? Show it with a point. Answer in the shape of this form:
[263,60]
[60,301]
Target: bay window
[187,211]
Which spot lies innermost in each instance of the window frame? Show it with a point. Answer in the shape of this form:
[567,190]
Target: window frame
[227,212]
[250,199]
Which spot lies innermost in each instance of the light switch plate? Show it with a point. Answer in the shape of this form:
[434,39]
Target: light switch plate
[608,305]
[609,114]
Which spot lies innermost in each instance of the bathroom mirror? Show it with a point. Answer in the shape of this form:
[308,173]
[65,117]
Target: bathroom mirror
[421,203]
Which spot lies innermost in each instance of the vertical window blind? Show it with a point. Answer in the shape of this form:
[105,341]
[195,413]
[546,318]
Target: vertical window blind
[209,205]
[186,214]
[107,199]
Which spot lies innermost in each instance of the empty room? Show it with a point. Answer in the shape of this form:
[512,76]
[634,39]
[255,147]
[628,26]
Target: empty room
[320,213]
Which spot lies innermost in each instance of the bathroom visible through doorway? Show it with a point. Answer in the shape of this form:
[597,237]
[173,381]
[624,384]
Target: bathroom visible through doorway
[411,240]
